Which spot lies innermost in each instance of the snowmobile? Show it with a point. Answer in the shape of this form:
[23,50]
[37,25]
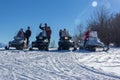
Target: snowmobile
[65,43]
[41,43]
[93,43]
[19,43]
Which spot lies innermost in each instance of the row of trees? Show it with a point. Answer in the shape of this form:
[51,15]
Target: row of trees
[107,25]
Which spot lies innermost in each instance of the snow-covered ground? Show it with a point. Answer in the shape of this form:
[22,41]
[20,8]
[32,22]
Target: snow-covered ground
[56,65]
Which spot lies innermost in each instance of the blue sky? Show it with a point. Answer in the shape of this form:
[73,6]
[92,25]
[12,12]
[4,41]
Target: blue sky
[59,14]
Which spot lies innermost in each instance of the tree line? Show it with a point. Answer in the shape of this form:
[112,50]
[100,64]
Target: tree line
[106,24]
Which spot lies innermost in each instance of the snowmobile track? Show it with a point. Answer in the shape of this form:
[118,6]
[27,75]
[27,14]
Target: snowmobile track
[42,65]
[96,71]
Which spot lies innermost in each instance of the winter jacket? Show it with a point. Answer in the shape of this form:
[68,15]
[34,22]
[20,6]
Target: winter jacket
[60,33]
[48,31]
[87,35]
[27,33]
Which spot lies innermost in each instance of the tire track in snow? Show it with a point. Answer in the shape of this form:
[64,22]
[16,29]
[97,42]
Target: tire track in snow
[26,77]
[60,64]
[53,74]
[96,71]
[65,70]
[31,69]
[45,72]
[76,71]
[61,69]
[23,61]
[21,64]
[9,72]
[19,74]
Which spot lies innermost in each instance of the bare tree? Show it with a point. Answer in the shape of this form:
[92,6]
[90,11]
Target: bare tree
[115,29]
[107,25]
[53,45]
[78,34]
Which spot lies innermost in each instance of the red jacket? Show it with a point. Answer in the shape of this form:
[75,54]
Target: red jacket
[87,35]
[49,32]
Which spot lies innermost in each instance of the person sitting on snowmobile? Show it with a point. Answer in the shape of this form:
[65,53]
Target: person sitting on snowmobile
[65,33]
[43,33]
[45,26]
[47,29]
[21,34]
[87,33]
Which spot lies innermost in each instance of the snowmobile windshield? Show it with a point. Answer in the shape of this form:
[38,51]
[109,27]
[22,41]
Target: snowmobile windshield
[93,34]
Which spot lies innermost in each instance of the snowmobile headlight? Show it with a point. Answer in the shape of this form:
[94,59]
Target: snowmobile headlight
[66,37]
[71,41]
[46,40]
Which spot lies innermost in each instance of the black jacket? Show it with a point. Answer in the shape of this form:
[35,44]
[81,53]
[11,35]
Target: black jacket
[27,33]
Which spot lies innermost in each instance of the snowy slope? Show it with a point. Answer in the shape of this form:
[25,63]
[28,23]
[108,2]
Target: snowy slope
[56,65]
